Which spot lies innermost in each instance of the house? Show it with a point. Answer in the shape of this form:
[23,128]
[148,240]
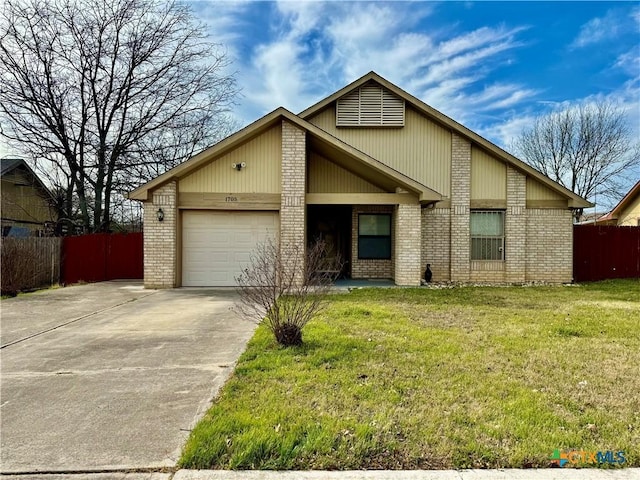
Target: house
[627,212]
[387,181]
[27,204]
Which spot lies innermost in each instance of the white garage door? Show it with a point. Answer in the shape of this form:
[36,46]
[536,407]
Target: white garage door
[217,245]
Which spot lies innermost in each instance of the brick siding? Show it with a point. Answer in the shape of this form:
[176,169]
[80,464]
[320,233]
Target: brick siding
[436,242]
[293,178]
[515,227]
[549,254]
[407,240]
[460,201]
[160,248]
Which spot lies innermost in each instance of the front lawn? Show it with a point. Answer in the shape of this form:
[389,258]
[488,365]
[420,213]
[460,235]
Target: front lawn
[482,377]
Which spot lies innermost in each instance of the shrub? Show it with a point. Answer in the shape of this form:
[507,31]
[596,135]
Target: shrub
[285,286]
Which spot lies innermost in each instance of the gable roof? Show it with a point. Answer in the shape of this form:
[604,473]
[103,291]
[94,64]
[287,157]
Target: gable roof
[575,201]
[8,165]
[342,153]
[622,204]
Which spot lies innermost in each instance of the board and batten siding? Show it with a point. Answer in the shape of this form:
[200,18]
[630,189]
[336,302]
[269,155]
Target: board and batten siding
[262,155]
[488,176]
[421,149]
[324,176]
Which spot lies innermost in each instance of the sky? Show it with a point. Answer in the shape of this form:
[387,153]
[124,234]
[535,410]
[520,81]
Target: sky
[492,66]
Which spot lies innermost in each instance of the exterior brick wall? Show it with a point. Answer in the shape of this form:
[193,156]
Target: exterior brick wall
[515,226]
[549,245]
[407,239]
[436,242]
[293,178]
[487,271]
[364,268]
[460,201]
[160,248]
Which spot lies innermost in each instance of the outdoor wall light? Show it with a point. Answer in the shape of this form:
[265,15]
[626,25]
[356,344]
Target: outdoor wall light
[160,215]
[238,166]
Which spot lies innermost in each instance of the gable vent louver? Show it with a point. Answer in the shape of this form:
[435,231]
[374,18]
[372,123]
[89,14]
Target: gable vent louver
[370,105]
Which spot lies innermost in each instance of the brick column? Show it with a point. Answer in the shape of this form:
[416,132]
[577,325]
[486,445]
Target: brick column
[460,201]
[407,240]
[293,178]
[160,248]
[515,226]
[436,242]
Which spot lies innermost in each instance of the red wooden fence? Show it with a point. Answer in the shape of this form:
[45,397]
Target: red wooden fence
[102,256]
[602,252]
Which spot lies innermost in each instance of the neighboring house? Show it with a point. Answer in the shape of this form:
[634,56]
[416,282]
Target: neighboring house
[627,212]
[386,180]
[27,204]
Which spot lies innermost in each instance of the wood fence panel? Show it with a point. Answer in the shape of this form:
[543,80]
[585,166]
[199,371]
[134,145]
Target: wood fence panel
[30,263]
[605,252]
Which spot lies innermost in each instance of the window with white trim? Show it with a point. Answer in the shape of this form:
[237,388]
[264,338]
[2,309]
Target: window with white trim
[370,105]
[487,235]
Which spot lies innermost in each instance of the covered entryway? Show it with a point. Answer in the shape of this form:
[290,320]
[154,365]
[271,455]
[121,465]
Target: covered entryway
[216,245]
[332,225]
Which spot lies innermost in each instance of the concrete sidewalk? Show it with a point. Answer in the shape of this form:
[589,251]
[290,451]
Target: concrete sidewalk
[506,474]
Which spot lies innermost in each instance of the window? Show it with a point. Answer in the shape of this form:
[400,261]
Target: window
[487,235]
[370,105]
[374,236]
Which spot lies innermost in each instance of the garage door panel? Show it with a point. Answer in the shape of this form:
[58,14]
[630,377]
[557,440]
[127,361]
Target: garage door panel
[217,245]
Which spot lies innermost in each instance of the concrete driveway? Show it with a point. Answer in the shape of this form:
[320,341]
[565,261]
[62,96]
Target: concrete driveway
[110,376]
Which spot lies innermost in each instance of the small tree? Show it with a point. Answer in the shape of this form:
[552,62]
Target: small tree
[272,293]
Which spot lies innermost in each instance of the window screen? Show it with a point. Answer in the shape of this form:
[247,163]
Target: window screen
[487,235]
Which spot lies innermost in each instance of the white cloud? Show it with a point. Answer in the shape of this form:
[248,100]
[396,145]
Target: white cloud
[629,61]
[307,50]
[596,30]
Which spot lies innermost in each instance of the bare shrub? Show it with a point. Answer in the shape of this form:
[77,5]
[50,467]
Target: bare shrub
[284,287]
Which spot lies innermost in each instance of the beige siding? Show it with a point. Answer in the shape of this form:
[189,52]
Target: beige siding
[420,150]
[325,176]
[630,216]
[538,191]
[488,176]
[262,156]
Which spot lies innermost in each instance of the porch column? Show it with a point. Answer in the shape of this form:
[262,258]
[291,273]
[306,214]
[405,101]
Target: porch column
[293,178]
[160,245]
[460,213]
[515,228]
[407,239]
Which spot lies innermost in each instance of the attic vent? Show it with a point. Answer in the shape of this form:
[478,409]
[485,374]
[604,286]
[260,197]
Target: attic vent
[370,105]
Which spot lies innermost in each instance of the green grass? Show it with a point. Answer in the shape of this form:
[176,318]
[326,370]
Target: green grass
[424,378]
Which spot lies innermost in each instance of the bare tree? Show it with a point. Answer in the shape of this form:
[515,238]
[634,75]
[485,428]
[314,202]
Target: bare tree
[589,149]
[110,93]
[272,292]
